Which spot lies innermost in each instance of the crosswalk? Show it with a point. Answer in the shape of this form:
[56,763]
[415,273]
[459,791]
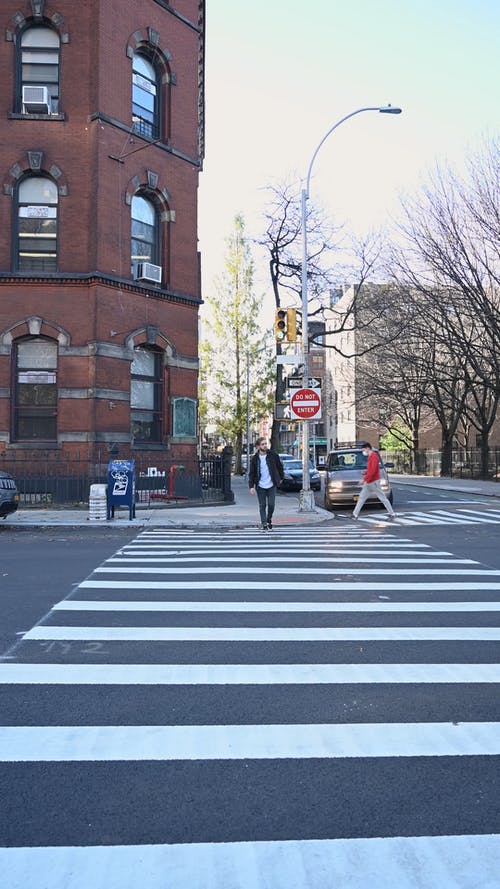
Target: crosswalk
[315,708]
[458,516]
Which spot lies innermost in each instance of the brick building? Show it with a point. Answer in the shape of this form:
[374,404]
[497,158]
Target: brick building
[101,147]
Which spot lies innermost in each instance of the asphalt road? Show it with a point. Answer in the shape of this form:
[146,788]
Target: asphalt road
[239,709]
[37,568]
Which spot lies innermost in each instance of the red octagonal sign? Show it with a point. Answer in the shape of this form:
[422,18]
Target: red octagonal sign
[305,404]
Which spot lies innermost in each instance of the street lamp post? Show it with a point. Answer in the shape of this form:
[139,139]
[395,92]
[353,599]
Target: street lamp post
[306,497]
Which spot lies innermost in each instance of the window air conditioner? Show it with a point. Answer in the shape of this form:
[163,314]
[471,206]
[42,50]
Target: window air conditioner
[36,100]
[146,271]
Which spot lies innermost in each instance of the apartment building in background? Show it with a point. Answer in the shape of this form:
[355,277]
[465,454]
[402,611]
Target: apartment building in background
[101,147]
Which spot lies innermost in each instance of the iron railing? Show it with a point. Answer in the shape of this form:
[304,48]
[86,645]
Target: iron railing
[465,462]
[44,478]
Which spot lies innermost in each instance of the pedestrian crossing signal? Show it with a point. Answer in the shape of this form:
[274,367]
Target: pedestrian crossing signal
[285,325]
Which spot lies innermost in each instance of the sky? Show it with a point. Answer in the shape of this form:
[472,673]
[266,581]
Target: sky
[280,73]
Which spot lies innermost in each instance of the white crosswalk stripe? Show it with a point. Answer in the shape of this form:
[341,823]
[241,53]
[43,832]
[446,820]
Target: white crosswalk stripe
[436,517]
[234,710]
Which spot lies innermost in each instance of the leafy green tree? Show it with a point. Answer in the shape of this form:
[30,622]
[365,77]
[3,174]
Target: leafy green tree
[234,336]
[397,438]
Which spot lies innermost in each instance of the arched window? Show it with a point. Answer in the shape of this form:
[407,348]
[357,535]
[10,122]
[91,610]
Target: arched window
[144,234]
[35,390]
[145,97]
[146,395]
[37,225]
[39,68]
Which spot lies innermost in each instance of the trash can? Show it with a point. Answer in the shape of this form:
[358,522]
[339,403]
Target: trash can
[121,486]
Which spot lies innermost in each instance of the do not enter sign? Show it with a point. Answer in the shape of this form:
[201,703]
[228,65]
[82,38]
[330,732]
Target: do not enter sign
[305,404]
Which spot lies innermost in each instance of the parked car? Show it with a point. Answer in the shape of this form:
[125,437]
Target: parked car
[285,457]
[344,472]
[292,480]
[9,495]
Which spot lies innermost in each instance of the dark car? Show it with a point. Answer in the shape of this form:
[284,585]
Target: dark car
[292,480]
[9,495]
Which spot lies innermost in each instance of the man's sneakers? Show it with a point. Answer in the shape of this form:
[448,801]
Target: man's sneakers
[392,516]
[263,527]
[269,526]
[354,517]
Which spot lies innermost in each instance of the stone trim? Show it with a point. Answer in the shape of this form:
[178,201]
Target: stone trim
[27,165]
[182,439]
[158,193]
[184,361]
[149,38]
[42,12]
[150,336]
[34,326]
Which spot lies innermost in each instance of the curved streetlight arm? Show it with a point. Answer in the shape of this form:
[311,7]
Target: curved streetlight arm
[383,109]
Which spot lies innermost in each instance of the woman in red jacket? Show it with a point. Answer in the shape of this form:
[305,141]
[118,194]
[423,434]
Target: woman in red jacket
[371,483]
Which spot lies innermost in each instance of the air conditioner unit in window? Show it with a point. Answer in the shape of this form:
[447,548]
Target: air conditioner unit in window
[36,100]
[146,271]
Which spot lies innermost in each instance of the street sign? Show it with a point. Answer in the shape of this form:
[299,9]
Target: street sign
[305,404]
[289,359]
[297,383]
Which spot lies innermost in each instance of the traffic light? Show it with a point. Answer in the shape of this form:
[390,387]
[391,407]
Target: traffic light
[291,327]
[285,325]
[280,325]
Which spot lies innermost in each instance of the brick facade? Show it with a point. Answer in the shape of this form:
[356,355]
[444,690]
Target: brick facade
[90,305]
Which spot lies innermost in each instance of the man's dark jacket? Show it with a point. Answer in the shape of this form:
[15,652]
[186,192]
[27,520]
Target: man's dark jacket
[275,467]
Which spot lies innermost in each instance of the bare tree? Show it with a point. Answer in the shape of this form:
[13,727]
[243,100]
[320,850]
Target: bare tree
[451,259]
[282,240]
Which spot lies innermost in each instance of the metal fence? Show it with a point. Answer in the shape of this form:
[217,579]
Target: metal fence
[465,462]
[45,479]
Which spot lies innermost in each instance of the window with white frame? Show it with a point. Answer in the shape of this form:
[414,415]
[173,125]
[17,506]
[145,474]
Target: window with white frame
[37,201]
[145,94]
[144,233]
[146,395]
[39,64]
[35,390]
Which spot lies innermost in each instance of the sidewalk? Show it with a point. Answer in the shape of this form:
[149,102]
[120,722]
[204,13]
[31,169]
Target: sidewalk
[243,513]
[458,485]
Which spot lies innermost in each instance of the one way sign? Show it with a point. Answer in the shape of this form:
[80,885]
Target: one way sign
[297,383]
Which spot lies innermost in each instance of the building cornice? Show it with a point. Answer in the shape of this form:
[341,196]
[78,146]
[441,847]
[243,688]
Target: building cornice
[91,278]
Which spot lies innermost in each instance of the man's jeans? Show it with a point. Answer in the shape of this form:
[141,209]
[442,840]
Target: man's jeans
[267,498]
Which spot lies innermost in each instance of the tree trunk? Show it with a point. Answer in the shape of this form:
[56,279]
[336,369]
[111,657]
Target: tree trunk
[485,450]
[446,455]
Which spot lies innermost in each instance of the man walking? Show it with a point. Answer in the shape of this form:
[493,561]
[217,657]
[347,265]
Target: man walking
[264,476]
[371,483]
